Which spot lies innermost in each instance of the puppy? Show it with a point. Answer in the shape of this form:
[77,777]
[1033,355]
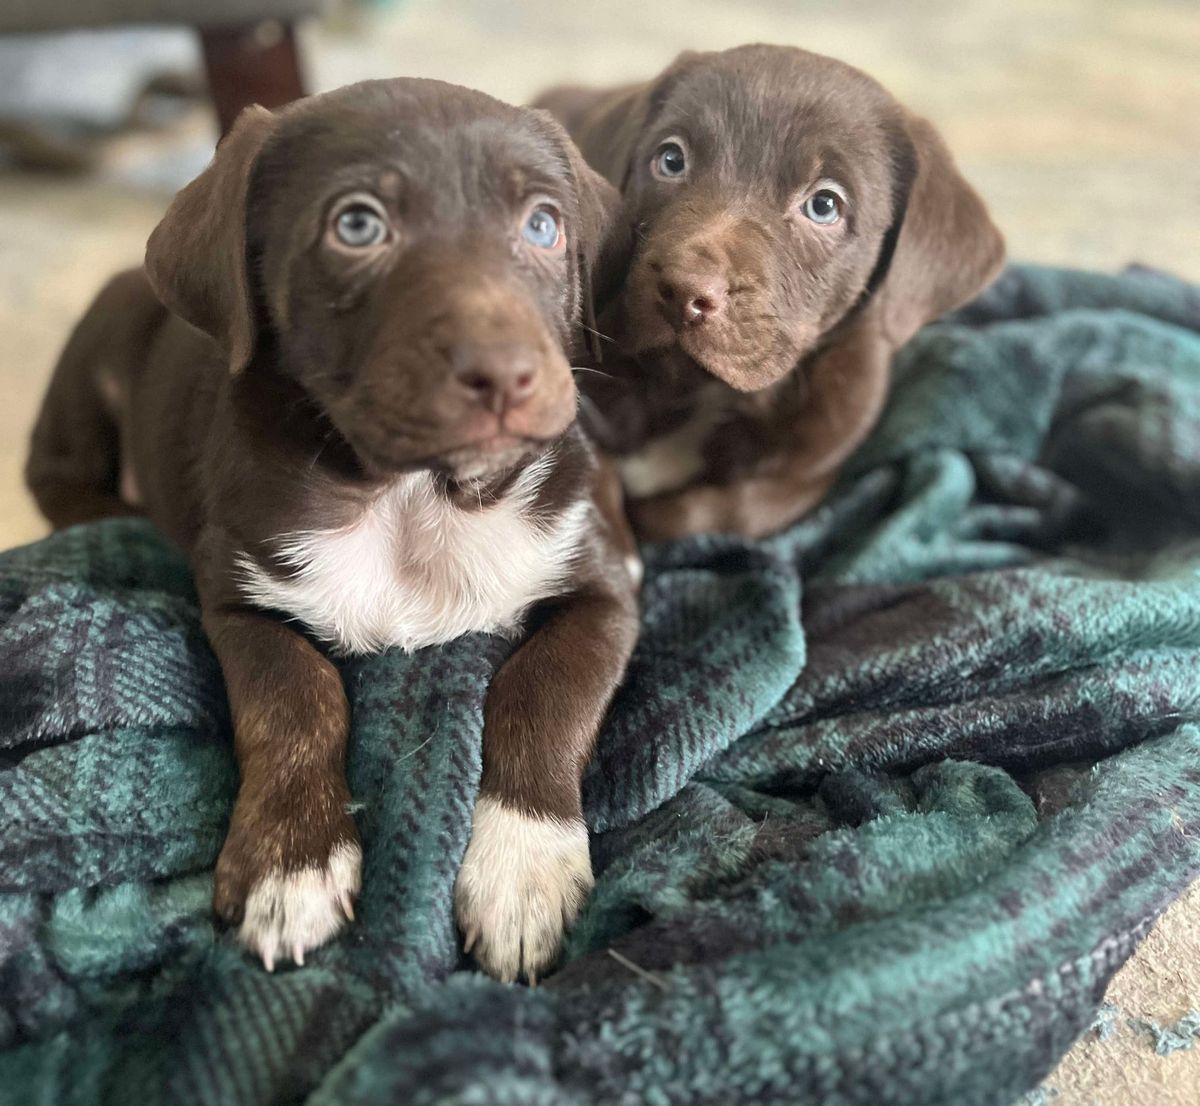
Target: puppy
[342,383]
[791,225]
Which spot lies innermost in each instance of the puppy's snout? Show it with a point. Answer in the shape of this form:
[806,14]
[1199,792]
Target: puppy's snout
[497,378]
[690,299]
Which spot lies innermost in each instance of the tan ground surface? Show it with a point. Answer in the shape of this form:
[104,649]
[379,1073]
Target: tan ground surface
[1078,119]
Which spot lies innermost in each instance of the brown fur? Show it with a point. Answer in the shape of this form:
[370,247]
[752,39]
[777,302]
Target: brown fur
[258,379]
[794,354]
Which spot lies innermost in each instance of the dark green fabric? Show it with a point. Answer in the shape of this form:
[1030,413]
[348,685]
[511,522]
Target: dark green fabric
[884,803]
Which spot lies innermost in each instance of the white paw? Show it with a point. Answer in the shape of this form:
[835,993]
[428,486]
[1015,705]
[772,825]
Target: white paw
[288,913]
[522,883]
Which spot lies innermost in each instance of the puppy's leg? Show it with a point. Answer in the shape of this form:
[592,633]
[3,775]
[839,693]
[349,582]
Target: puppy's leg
[75,467]
[527,870]
[609,497]
[291,862]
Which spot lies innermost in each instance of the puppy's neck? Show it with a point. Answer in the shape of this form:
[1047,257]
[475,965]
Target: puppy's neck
[659,394]
[408,567]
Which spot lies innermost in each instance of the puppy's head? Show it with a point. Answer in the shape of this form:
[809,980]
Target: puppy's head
[774,194]
[416,256]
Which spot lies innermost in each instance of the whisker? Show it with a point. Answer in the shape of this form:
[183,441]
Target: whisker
[599,334]
[321,448]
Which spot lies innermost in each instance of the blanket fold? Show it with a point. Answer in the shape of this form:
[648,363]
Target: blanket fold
[884,802]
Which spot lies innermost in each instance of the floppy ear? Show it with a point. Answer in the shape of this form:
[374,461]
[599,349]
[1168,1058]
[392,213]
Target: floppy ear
[196,257]
[606,124]
[596,242]
[601,246]
[947,249]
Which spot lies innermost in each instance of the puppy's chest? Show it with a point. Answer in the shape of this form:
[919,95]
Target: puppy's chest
[672,459]
[412,569]
[723,434]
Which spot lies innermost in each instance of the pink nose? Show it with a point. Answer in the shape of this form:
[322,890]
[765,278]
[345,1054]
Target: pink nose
[691,299]
[498,379]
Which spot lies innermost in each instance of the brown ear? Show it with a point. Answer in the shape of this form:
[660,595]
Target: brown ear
[600,249]
[603,249]
[597,251]
[196,257]
[947,249]
[604,123]
[607,124]
[609,132]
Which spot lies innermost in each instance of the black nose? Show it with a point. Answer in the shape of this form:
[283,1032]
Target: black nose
[693,298]
[498,378]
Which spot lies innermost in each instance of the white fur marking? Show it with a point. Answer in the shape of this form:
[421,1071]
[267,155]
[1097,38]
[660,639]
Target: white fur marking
[129,490]
[414,570]
[289,913]
[672,460]
[522,883]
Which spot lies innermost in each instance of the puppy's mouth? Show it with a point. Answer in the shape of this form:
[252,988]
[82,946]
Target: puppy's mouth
[486,457]
[649,331]
[487,445]
[705,347]
[452,432]
[478,455]
[689,357]
[747,351]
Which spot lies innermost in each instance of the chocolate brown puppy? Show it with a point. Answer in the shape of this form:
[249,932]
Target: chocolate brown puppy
[790,226]
[343,384]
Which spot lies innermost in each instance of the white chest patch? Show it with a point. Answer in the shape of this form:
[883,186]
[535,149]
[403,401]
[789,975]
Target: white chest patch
[414,570]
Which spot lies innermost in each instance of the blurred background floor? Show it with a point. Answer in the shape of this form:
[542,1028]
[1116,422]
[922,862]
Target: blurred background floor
[1078,120]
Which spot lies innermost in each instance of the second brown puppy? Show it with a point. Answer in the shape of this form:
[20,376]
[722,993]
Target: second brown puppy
[790,226]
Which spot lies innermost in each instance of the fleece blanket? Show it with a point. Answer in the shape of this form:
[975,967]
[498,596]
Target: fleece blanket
[883,804]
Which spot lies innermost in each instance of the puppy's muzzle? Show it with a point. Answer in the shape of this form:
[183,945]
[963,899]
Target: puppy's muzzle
[498,378]
[690,297]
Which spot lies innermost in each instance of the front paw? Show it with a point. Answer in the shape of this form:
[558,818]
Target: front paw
[522,883]
[289,886]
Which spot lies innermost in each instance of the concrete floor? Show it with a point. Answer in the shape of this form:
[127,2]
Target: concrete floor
[1079,121]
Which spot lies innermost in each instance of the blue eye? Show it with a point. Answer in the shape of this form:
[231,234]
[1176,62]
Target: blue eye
[669,162]
[824,207]
[542,228]
[360,227]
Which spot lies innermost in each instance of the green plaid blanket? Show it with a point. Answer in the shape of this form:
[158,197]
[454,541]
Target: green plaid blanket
[884,803]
